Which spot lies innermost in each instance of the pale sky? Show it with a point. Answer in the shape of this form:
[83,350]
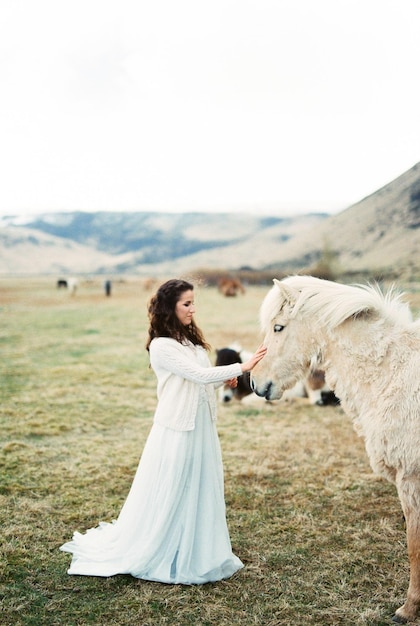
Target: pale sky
[276,106]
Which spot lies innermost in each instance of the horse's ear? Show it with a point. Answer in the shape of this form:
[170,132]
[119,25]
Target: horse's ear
[290,293]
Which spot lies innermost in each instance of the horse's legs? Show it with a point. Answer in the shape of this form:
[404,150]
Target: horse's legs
[409,492]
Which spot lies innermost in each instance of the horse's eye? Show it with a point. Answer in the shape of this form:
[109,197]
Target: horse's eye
[278,328]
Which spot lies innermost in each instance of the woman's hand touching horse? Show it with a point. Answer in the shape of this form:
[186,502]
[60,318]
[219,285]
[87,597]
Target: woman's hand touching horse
[256,357]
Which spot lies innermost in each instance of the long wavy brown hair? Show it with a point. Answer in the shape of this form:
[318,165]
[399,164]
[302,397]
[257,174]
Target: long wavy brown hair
[162,317]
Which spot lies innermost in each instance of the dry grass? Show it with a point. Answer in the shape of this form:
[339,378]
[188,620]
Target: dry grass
[322,539]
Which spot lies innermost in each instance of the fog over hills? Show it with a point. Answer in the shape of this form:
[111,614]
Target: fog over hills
[381,232]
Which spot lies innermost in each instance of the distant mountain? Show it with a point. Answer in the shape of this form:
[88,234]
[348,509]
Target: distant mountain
[381,233]
[107,242]
[380,236]
[29,251]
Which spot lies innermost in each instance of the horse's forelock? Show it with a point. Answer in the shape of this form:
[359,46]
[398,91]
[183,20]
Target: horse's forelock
[271,306]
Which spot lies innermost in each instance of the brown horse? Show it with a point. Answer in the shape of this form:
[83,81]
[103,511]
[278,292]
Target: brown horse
[230,286]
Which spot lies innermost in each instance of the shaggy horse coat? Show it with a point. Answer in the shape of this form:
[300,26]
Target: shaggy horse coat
[369,347]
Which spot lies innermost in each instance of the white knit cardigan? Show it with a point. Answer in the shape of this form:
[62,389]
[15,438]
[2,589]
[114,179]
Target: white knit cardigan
[180,373]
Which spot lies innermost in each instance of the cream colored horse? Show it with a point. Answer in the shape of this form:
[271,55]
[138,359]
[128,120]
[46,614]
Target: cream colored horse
[369,347]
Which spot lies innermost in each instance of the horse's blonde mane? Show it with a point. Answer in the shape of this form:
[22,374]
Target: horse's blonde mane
[334,302]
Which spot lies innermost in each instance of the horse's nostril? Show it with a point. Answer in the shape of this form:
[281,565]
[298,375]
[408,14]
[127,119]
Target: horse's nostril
[267,390]
[263,392]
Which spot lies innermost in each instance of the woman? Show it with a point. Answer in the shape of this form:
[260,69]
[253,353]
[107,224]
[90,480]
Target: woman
[172,527]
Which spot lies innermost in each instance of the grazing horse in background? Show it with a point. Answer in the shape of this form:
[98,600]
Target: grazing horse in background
[230,286]
[369,347]
[312,386]
[72,285]
[149,284]
[227,356]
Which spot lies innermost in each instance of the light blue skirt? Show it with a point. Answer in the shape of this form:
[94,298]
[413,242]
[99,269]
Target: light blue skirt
[172,527]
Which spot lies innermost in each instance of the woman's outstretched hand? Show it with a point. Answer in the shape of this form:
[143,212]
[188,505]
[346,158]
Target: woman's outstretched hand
[257,356]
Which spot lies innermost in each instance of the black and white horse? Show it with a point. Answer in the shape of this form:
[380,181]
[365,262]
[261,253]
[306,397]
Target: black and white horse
[227,356]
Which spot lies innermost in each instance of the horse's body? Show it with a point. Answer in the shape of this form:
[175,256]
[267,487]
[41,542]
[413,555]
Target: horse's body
[369,347]
[313,387]
[230,286]
[72,285]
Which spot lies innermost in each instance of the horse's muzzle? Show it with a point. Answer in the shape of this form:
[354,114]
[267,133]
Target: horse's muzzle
[263,392]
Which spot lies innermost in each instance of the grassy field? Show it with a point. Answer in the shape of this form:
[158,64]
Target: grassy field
[322,538]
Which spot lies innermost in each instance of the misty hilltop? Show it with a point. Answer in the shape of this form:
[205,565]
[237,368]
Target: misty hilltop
[379,233]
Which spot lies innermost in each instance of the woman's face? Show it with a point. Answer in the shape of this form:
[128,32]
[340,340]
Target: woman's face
[184,308]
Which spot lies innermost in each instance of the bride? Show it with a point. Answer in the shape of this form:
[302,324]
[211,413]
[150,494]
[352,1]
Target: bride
[172,527]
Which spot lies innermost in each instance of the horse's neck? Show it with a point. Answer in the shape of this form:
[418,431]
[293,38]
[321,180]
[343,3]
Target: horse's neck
[352,354]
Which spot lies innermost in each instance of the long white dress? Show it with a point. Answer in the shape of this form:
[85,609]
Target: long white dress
[172,527]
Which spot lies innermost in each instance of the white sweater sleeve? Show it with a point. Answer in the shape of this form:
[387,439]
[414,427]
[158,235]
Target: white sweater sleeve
[170,355]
